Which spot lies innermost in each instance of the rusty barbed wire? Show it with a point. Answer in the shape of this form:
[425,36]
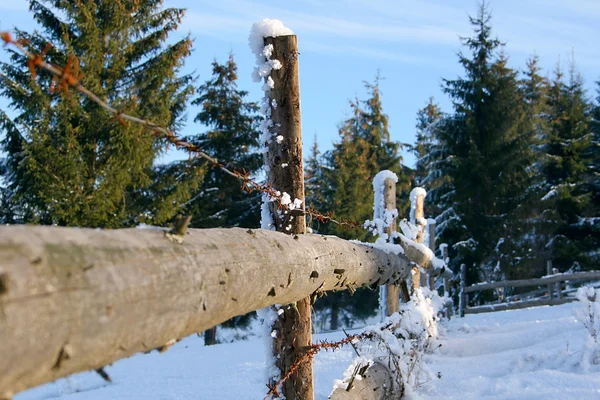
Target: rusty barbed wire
[69,76]
[309,354]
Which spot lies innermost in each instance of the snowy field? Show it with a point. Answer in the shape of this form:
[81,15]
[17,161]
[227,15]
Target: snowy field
[525,354]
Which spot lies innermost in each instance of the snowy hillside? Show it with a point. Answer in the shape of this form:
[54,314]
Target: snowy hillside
[526,354]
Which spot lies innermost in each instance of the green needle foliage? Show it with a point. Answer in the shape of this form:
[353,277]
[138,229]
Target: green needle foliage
[68,161]
[231,137]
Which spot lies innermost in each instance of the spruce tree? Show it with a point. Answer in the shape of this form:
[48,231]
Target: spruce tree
[427,117]
[594,154]
[231,137]
[365,148]
[431,158]
[569,174]
[317,191]
[68,161]
[534,228]
[490,144]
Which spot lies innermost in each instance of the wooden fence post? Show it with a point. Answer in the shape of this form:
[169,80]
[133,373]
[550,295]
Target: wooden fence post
[449,305]
[549,272]
[392,292]
[558,284]
[418,216]
[462,294]
[431,227]
[286,174]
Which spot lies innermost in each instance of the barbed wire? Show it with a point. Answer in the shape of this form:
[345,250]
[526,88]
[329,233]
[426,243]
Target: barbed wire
[309,354]
[69,76]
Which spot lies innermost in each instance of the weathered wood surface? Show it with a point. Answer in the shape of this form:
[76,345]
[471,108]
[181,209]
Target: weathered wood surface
[376,383]
[286,174]
[578,276]
[392,291]
[518,305]
[77,299]
[416,219]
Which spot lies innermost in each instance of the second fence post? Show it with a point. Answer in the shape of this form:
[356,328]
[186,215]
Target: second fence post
[286,174]
[392,291]
[417,218]
[431,230]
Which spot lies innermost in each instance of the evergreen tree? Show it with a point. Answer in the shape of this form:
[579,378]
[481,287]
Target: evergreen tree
[594,155]
[68,161]
[431,158]
[426,117]
[365,149]
[490,143]
[232,137]
[535,230]
[317,191]
[569,174]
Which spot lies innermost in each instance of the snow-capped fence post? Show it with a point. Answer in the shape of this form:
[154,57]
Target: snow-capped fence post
[286,175]
[431,230]
[558,284]
[417,197]
[447,294]
[392,292]
[462,294]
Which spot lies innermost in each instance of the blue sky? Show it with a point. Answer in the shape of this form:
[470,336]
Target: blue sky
[344,43]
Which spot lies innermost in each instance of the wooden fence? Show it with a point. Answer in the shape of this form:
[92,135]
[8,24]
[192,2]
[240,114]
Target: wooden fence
[76,299]
[550,282]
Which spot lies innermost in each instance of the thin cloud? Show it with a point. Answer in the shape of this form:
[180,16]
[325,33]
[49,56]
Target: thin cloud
[364,25]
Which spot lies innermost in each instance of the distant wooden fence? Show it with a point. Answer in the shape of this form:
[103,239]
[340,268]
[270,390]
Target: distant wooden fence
[551,282]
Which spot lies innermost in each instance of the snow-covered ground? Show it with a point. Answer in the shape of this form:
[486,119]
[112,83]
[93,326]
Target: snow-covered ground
[524,354]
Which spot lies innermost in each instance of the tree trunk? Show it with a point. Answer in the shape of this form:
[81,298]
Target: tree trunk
[78,299]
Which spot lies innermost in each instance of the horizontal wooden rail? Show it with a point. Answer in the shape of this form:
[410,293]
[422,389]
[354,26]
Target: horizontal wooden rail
[77,299]
[578,276]
[517,305]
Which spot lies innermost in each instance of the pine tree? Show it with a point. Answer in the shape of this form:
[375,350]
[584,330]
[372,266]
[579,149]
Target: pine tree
[68,161]
[533,227]
[490,143]
[426,117]
[365,149]
[569,173]
[232,137]
[431,158]
[317,191]
[594,155]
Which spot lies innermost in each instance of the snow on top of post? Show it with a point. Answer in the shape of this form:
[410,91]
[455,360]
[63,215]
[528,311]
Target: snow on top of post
[268,130]
[262,29]
[382,217]
[414,194]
